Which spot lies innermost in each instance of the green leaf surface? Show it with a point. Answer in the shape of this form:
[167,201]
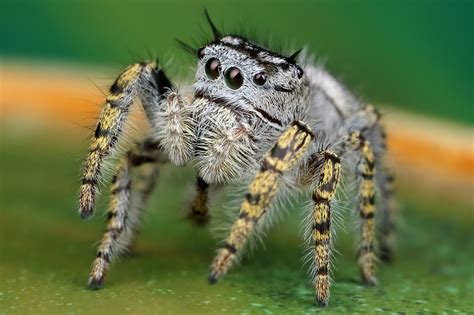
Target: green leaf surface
[46,251]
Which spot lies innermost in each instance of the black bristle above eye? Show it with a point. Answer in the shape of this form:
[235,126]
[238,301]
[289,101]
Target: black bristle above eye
[186,47]
[215,31]
[295,55]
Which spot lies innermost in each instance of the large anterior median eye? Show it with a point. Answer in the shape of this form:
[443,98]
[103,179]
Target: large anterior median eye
[234,78]
[213,68]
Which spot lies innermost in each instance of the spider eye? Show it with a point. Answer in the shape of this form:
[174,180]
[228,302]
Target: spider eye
[260,78]
[213,68]
[234,78]
[201,53]
[299,72]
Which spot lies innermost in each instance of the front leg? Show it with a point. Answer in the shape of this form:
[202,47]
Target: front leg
[323,194]
[282,157]
[145,80]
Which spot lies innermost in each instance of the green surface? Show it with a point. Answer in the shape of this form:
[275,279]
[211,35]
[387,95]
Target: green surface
[412,54]
[46,252]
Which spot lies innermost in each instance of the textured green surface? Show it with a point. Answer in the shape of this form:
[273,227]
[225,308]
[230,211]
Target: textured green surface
[412,54]
[46,251]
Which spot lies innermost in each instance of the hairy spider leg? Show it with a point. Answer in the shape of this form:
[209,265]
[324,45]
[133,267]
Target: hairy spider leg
[136,78]
[288,150]
[118,205]
[199,211]
[323,194]
[125,210]
[366,205]
[388,210]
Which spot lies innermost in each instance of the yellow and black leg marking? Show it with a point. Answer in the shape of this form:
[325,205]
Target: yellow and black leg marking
[199,212]
[286,153]
[147,157]
[321,231]
[116,216]
[388,207]
[366,206]
[388,222]
[123,215]
[136,78]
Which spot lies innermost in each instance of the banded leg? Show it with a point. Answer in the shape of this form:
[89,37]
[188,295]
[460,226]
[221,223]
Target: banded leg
[388,207]
[199,212]
[366,206]
[116,216]
[144,183]
[142,188]
[321,232]
[282,157]
[140,79]
[388,222]
[124,212]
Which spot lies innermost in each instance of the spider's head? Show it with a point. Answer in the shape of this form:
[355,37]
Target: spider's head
[244,96]
[236,72]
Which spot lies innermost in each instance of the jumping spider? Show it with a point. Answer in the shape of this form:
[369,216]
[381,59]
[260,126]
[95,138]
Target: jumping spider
[254,116]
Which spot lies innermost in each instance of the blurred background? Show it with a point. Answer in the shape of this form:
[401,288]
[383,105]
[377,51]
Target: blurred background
[414,60]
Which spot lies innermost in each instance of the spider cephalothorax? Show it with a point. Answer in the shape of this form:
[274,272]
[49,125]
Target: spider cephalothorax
[244,96]
[253,115]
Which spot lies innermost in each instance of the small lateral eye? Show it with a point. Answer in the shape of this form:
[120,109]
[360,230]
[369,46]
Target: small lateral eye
[299,72]
[234,78]
[213,68]
[260,78]
[200,53]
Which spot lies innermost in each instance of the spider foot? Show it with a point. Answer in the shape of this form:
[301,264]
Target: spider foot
[212,279]
[198,218]
[386,254]
[97,275]
[370,280]
[96,284]
[322,302]
[322,290]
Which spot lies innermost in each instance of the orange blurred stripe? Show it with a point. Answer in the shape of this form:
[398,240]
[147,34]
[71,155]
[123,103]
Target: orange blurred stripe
[47,95]
[66,96]
[407,148]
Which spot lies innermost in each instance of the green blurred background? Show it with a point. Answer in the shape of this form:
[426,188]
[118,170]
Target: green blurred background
[411,55]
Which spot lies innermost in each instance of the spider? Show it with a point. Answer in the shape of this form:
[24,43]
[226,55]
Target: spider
[279,124]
